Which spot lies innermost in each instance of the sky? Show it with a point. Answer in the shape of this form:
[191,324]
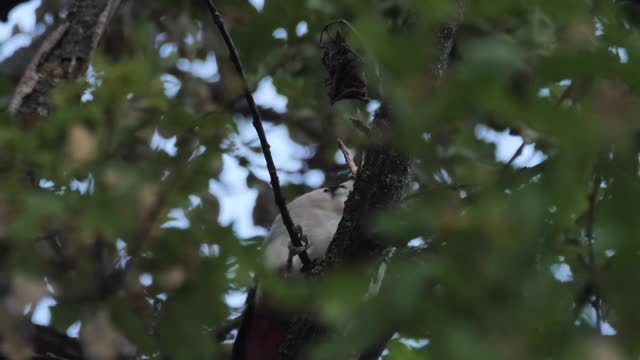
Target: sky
[235,197]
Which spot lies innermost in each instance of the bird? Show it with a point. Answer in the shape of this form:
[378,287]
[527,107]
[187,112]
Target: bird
[263,326]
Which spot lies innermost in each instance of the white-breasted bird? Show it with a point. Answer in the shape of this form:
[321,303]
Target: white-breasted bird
[318,213]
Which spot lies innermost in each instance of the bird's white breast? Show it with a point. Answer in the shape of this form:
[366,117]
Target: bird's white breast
[318,214]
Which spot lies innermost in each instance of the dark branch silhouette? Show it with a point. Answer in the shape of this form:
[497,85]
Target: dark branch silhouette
[294,233]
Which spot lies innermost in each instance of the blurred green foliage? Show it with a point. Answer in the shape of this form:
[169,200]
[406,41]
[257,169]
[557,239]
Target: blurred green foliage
[481,282]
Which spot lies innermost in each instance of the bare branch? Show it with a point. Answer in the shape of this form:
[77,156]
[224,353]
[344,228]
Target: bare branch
[30,77]
[516,154]
[103,20]
[347,157]
[64,55]
[295,236]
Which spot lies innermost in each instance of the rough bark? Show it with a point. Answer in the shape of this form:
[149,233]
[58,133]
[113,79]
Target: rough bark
[64,55]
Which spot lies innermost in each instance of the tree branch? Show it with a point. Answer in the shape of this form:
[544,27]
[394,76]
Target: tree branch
[516,154]
[296,238]
[64,55]
[347,157]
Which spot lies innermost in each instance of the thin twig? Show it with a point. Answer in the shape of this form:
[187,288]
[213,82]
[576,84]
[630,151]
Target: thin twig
[227,327]
[104,18]
[257,124]
[347,157]
[516,154]
[593,267]
[30,77]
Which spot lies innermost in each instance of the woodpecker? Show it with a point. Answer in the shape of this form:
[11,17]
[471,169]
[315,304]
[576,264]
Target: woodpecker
[264,327]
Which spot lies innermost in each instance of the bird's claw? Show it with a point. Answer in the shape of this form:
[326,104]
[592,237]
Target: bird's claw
[297,250]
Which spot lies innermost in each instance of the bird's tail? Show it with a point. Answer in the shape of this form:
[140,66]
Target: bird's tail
[261,332]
